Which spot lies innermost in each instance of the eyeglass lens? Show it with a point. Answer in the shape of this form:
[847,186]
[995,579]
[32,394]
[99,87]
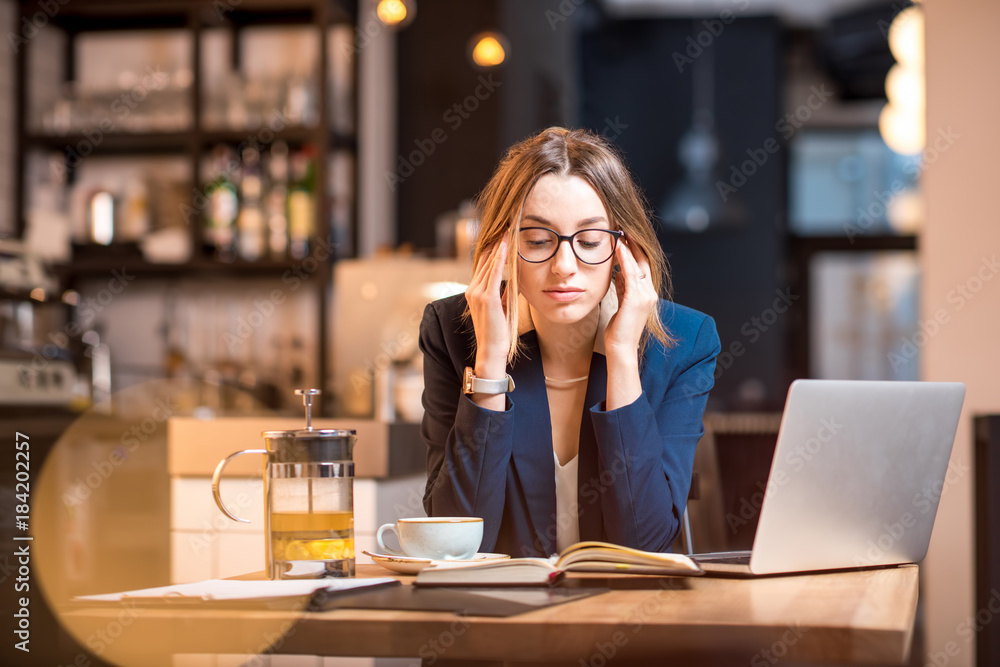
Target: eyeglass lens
[591,246]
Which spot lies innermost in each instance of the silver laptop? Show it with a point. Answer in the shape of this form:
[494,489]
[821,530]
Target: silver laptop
[858,470]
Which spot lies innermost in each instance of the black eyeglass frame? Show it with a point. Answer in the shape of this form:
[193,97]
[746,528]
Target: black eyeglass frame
[616,234]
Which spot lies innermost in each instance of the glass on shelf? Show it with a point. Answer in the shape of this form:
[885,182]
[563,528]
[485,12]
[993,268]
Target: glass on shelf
[153,102]
[238,102]
[260,77]
[127,81]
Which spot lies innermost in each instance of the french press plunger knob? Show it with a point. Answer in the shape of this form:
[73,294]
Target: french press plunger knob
[307,401]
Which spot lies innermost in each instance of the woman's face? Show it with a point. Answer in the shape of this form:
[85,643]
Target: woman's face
[563,289]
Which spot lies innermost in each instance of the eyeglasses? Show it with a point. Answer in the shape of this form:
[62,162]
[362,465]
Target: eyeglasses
[591,246]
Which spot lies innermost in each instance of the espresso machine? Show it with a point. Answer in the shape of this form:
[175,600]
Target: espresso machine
[35,365]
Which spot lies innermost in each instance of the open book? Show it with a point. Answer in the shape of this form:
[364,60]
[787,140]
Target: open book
[579,557]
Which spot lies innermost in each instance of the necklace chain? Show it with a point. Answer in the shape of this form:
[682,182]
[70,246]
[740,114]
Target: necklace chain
[579,379]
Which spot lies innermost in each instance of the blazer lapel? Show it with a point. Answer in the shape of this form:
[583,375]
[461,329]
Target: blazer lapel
[588,474]
[532,446]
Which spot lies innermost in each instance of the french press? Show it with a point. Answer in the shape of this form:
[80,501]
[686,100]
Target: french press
[308,499]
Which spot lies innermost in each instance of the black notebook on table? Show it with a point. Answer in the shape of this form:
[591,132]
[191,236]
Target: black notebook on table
[497,602]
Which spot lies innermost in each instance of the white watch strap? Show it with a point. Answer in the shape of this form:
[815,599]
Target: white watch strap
[484,386]
[473,385]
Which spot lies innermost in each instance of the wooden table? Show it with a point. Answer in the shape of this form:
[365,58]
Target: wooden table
[848,617]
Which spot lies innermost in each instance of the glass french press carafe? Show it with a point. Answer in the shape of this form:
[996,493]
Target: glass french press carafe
[308,499]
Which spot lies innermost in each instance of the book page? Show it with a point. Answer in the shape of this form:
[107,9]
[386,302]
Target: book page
[583,552]
[492,564]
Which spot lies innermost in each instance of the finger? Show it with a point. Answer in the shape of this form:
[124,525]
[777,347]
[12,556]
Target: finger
[477,273]
[629,267]
[496,270]
[622,280]
[485,268]
[641,261]
[491,264]
[635,251]
[634,276]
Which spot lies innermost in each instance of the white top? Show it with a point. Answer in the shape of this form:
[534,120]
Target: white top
[567,503]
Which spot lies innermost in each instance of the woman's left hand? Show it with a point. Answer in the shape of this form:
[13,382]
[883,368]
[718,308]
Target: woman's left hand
[637,298]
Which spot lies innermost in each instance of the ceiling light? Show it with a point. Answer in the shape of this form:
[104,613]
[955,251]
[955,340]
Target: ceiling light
[906,36]
[489,49]
[902,129]
[904,86]
[396,13]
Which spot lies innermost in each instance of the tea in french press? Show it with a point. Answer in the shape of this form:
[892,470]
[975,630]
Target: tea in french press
[309,499]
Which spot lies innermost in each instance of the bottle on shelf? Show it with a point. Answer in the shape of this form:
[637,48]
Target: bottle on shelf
[250,223]
[276,208]
[300,107]
[302,201]
[223,205]
[135,214]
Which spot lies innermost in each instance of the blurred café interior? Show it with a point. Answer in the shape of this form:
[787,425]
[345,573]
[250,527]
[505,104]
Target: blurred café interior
[205,205]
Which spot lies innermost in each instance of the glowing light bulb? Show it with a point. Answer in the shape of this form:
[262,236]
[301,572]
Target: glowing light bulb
[391,12]
[906,36]
[903,120]
[906,212]
[488,49]
[904,86]
[902,129]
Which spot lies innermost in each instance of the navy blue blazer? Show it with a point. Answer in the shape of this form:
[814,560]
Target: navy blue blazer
[635,462]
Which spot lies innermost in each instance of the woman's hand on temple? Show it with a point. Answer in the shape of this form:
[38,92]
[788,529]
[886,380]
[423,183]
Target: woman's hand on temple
[637,298]
[489,316]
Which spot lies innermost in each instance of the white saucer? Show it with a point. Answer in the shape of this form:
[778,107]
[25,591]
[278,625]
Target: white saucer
[408,565]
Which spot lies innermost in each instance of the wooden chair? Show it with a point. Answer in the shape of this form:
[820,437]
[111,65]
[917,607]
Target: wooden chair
[730,473]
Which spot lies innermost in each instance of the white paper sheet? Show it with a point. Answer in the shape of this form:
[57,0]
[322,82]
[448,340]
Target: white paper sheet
[232,589]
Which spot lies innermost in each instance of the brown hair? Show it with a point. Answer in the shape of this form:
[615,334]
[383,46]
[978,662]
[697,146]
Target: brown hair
[564,152]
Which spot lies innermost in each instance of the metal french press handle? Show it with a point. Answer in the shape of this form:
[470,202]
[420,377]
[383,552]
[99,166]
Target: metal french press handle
[217,475]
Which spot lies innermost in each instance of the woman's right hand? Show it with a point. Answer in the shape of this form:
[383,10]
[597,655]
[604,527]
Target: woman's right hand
[489,316]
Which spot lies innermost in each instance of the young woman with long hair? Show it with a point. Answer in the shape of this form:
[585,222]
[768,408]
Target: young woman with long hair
[564,391]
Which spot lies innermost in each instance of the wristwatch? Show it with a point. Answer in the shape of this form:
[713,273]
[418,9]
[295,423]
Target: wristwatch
[473,385]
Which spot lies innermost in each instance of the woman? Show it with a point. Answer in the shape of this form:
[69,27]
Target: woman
[563,398]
